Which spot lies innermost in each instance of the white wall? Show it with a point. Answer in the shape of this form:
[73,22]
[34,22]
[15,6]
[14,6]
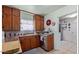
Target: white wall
[55,17]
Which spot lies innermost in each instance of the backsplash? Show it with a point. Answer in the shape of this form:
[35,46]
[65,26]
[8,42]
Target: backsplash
[13,34]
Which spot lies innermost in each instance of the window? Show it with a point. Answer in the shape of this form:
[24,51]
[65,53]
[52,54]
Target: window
[26,23]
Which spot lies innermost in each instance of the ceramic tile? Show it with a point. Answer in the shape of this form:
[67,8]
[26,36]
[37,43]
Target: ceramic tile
[66,47]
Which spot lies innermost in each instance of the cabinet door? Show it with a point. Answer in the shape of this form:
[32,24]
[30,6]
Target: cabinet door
[16,23]
[16,12]
[22,42]
[39,23]
[16,19]
[37,40]
[6,10]
[42,23]
[25,43]
[50,42]
[33,41]
[6,18]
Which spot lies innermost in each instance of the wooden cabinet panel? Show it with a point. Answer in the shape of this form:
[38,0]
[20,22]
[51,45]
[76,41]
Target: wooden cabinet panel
[25,43]
[39,22]
[6,10]
[6,18]
[16,23]
[16,12]
[6,24]
[29,42]
[42,23]
[50,42]
[16,19]
[10,19]
[38,25]
[33,41]
[37,40]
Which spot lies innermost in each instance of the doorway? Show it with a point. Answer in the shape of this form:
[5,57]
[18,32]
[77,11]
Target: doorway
[68,31]
[68,28]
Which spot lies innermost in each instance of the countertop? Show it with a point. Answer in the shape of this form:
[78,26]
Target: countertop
[27,35]
[6,46]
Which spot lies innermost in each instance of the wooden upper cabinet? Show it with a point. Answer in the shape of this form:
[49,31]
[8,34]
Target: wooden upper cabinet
[16,12]
[6,18]
[42,23]
[16,23]
[6,10]
[39,22]
[10,19]
[16,19]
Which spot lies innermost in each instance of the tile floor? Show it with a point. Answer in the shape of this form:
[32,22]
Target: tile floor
[66,48]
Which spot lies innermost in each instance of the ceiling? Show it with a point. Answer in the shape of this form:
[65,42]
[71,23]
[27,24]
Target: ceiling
[39,9]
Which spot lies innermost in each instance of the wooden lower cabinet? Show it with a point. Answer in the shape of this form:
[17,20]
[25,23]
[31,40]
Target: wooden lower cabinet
[29,42]
[25,43]
[50,42]
[37,41]
[33,41]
